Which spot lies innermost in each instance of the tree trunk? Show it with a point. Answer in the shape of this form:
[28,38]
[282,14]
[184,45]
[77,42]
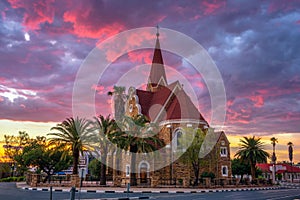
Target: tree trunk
[75,161]
[252,166]
[196,173]
[118,159]
[103,170]
[133,181]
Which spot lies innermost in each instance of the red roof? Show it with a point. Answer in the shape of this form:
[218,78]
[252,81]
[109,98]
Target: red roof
[280,168]
[165,102]
[175,102]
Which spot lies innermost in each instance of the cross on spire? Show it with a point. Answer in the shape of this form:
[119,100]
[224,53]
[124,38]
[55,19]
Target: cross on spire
[157,31]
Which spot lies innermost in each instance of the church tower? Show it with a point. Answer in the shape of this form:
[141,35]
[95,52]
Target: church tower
[157,77]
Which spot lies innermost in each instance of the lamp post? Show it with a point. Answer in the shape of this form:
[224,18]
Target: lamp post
[81,175]
[274,168]
[12,170]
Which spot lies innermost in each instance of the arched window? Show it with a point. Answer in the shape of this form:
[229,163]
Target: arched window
[224,171]
[223,151]
[144,171]
[178,140]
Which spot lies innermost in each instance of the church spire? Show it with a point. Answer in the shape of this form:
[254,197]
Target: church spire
[157,74]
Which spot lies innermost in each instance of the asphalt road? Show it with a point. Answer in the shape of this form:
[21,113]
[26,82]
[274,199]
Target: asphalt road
[8,191]
[282,194]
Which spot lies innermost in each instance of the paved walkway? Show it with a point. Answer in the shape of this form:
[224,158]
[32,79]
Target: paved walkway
[99,189]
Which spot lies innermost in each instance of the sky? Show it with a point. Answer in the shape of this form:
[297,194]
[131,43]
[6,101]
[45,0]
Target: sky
[254,44]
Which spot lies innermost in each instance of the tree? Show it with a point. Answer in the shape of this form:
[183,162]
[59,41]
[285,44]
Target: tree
[191,155]
[239,167]
[5,170]
[47,160]
[95,168]
[137,137]
[251,151]
[15,144]
[290,144]
[74,136]
[13,147]
[119,101]
[273,142]
[106,127]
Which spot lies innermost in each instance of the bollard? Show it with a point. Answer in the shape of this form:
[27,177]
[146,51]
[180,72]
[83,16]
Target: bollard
[128,189]
[50,192]
[72,193]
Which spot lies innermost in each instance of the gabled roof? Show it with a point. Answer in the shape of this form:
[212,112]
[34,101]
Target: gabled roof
[219,134]
[176,104]
[162,101]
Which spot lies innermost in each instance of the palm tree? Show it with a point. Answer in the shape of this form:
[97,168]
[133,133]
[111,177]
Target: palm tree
[106,127]
[73,135]
[251,151]
[119,101]
[273,142]
[290,144]
[137,138]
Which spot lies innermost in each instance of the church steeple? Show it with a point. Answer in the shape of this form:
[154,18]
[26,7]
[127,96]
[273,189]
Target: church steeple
[157,75]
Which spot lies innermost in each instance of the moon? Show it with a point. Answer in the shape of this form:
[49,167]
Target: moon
[27,36]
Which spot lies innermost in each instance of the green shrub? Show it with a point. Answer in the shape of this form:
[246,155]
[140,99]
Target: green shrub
[208,175]
[13,179]
[180,181]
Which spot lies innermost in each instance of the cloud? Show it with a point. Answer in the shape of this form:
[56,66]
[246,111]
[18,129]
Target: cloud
[254,44]
[36,12]
[212,7]
[81,28]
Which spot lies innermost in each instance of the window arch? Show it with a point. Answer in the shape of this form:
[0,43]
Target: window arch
[144,169]
[177,140]
[224,170]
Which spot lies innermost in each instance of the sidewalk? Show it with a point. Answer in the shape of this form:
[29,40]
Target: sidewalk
[99,189]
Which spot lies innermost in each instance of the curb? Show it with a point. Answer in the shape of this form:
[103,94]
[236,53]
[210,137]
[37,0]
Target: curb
[157,191]
[123,198]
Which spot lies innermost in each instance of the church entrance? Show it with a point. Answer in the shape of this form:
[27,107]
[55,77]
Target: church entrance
[144,173]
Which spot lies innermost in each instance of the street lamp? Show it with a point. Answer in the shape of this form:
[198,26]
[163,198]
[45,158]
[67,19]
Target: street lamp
[12,169]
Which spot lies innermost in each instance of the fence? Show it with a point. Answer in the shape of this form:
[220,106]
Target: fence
[44,180]
[210,183]
[73,180]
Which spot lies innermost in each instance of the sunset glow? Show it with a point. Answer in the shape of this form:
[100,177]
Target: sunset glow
[254,44]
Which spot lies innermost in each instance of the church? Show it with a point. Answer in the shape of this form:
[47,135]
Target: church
[169,106]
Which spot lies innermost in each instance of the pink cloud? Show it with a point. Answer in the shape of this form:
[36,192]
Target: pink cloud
[133,41]
[212,7]
[36,13]
[141,56]
[258,100]
[81,28]
[98,88]
[2,80]
[229,103]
